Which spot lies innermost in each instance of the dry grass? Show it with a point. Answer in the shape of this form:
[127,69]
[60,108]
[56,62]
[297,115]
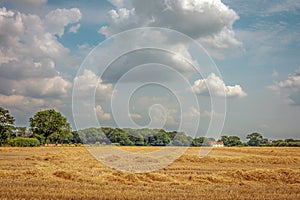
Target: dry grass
[226,173]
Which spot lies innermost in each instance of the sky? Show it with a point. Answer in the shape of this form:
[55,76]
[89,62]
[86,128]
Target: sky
[206,67]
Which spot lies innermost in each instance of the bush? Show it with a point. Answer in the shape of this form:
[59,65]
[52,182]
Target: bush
[24,142]
[40,138]
[97,143]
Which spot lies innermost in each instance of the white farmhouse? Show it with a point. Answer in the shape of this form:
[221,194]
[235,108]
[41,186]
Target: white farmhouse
[216,144]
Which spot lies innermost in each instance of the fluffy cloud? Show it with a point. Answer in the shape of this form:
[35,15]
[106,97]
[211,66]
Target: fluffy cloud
[23,107]
[215,86]
[170,52]
[135,116]
[44,68]
[150,72]
[90,100]
[157,111]
[29,55]
[53,87]
[293,82]
[195,113]
[18,101]
[162,117]
[172,118]
[209,22]
[87,82]
[56,20]
[289,88]
[29,37]
[192,112]
[210,114]
[101,114]
[74,29]
[217,43]
[203,17]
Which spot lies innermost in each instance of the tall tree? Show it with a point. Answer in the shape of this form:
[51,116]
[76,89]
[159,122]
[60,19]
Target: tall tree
[6,125]
[200,141]
[49,126]
[119,136]
[159,139]
[181,139]
[231,140]
[19,131]
[255,139]
[225,139]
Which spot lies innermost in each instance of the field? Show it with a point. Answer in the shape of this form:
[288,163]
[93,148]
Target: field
[226,173]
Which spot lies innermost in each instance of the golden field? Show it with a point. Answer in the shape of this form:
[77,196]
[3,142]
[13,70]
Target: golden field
[226,173]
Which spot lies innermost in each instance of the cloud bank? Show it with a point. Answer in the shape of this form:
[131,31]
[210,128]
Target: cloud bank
[30,54]
[209,22]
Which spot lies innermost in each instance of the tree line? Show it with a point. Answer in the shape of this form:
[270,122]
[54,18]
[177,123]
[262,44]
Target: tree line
[51,127]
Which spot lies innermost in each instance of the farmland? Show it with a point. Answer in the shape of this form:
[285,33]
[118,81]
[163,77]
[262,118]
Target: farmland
[225,173]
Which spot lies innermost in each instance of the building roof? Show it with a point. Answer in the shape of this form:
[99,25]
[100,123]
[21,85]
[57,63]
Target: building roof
[216,143]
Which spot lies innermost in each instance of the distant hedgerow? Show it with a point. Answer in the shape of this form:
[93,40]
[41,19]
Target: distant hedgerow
[24,142]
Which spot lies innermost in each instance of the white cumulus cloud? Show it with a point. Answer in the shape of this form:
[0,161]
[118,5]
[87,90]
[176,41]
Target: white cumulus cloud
[39,87]
[56,20]
[289,88]
[74,29]
[215,86]
[101,114]
[135,116]
[209,22]
[192,112]
[30,54]
[28,37]
[88,81]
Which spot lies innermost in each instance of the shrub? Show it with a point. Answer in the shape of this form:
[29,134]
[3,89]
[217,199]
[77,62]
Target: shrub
[24,142]
[40,138]
[97,143]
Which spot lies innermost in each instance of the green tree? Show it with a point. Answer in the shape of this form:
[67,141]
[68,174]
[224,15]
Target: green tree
[231,141]
[137,139]
[135,135]
[172,134]
[20,131]
[6,125]
[159,139]
[92,135]
[200,141]
[119,136]
[49,126]
[181,139]
[234,141]
[75,138]
[225,140]
[255,139]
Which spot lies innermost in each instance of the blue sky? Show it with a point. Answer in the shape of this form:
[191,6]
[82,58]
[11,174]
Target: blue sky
[254,44]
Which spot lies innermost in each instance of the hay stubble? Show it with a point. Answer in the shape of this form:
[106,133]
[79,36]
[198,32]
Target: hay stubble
[226,173]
